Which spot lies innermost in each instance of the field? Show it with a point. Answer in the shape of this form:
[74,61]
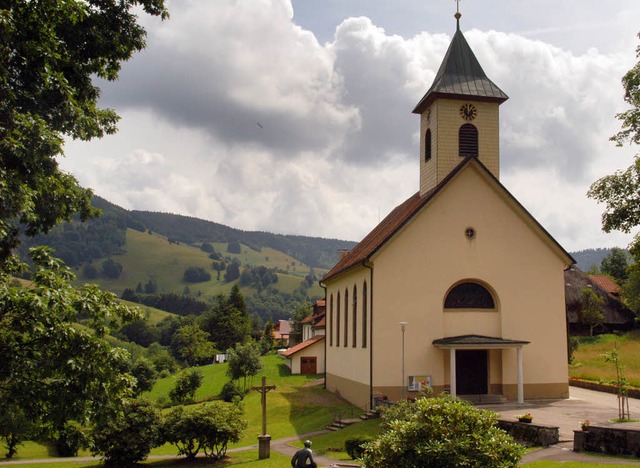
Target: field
[589,363]
[152,257]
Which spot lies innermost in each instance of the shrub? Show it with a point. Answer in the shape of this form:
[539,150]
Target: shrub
[195,274]
[111,268]
[186,386]
[442,431]
[573,343]
[128,436]
[230,391]
[69,440]
[354,446]
[89,271]
[209,427]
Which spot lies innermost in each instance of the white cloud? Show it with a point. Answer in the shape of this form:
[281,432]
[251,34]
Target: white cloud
[236,114]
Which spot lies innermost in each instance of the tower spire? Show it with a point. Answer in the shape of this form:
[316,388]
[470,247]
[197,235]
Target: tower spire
[458,15]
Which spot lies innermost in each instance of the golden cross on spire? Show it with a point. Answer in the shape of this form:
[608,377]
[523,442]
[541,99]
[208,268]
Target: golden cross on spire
[458,14]
[457,6]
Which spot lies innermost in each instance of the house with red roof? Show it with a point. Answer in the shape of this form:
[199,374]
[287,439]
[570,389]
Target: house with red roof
[307,357]
[459,288]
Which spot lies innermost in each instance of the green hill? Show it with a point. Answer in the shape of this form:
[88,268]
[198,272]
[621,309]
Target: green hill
[154,250]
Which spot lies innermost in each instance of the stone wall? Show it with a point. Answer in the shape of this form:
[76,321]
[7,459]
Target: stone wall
[529,433]
[602,387]
[612,441]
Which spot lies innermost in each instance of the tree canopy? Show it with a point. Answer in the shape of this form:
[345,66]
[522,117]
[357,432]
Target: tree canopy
[621,190]
[51,52]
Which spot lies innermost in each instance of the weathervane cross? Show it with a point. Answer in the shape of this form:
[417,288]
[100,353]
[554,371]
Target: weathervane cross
[457,6]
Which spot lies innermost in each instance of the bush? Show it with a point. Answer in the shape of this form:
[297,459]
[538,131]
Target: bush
[186,386]
[89,271]
[573,344]
[111,268]
[195,274]
[230,391]
[209,427]
[442,431]
[70,439]
[128,436]
[354,446]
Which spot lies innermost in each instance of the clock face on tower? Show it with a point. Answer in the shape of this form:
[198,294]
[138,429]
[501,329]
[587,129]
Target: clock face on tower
[468,112]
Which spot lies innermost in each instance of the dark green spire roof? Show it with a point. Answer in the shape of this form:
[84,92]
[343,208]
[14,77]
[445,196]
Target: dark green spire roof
[460,77]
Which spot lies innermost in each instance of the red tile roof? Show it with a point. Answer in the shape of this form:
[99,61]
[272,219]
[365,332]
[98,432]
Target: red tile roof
[300,346]
[606,283]
[404,212]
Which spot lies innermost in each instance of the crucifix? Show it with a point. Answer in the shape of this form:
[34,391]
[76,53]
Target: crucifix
[264,439]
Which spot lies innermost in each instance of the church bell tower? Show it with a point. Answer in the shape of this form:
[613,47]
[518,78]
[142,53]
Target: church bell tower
[459,116]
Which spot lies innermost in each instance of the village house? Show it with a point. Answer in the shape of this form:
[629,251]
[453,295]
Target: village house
[307,357]
[459,288]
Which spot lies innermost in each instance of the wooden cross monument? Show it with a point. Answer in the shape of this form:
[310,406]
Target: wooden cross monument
[264,449]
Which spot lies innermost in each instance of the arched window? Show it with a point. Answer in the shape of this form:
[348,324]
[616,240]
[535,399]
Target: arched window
[427,145]
[364,315]
[468,140]
[346,318]
[338,322]
[354,325]
[469,296]
[331,320]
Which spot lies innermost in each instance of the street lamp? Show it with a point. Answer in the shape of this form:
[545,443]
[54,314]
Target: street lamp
[403,326]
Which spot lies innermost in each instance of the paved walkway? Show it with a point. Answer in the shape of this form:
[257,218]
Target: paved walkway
[598,407]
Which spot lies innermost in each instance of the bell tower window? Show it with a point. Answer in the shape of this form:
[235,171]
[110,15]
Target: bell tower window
[427,145]
[468,141]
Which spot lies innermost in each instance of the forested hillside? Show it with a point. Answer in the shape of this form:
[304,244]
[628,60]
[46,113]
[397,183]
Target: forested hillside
[77,242]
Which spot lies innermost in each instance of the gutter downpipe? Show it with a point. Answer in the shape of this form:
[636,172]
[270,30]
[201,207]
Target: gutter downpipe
[324,385]
[364,264]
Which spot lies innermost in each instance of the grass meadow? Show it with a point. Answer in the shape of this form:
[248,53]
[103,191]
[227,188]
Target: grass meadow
[152,257]
[589,363]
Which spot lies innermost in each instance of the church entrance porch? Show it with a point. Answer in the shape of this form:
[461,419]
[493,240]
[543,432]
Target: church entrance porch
[468,362]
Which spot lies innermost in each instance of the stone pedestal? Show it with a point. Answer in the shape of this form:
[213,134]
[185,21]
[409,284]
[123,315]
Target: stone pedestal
[264,446]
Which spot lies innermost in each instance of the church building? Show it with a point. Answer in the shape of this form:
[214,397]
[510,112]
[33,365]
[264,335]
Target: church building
[459,288]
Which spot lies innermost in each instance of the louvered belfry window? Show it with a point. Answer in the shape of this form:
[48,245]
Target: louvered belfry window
[468,141]
[427,145]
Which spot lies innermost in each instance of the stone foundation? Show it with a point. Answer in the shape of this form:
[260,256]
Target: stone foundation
[608,440]
[529,433]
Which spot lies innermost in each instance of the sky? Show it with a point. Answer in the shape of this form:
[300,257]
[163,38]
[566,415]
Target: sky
[294,116]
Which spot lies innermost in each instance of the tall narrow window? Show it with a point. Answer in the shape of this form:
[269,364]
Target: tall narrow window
[468,140]
[331,320]
[338,322]
[364,315]
[427,145]
[346,318]
[354,325]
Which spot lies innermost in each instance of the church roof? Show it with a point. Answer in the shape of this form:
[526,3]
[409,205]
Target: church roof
[404,212]
[460,76]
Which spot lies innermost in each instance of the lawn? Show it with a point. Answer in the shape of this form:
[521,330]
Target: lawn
[589,363]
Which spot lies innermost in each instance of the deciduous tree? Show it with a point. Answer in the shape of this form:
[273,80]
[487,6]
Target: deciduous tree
[51,51]
[244,361]
[50,368]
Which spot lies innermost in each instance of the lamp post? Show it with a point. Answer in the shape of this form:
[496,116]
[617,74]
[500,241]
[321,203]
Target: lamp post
[403,326]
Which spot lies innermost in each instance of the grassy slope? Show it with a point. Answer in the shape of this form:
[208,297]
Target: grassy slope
[292,408]
[590,365]
[151,256]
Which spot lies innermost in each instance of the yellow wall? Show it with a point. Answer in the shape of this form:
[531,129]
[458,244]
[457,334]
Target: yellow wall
[414,271]
[443,118]
[315,350]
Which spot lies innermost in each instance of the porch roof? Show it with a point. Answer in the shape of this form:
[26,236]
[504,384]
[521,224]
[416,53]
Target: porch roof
[477,342]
